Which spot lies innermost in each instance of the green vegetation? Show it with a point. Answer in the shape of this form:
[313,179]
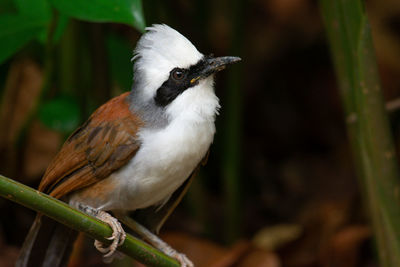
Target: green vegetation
[79,221]
[354,57]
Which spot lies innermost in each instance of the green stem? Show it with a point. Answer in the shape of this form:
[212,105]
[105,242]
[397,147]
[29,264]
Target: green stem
[79,221]
[231,160]
[367,122]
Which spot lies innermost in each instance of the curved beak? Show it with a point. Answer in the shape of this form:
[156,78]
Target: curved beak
[212,65]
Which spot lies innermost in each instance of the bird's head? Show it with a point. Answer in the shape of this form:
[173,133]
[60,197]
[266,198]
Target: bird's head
[170,74]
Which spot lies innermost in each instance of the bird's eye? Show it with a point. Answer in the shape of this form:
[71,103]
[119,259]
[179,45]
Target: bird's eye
[178,74]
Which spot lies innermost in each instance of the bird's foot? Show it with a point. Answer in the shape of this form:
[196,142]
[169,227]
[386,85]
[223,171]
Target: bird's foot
[118,236]
[154,240]
[180,257]
[103,248]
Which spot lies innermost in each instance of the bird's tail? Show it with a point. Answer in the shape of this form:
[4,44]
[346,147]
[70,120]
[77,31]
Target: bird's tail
[48,244]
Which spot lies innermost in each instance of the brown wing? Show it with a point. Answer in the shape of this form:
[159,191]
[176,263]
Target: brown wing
[105,143]
[154,217]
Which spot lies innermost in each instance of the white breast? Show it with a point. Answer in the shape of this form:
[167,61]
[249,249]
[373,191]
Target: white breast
[167,156]
[164,162]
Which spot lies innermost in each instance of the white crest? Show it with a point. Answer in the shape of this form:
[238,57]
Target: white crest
[158,51]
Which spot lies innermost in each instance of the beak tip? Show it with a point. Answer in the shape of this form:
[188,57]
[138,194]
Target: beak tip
[216,64]
[231,60]
[236,59]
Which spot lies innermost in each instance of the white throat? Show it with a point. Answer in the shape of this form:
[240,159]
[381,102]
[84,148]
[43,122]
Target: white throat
[195,104]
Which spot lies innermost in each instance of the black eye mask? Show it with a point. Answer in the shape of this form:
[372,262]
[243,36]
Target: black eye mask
[178,81]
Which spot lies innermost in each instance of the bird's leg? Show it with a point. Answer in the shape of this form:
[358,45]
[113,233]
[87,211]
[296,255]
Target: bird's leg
[118,236]
[154,240]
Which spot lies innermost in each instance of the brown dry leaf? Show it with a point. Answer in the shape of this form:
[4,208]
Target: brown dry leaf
[386,42]
[42,145]
[206,253]
[284,10]
[260,258]
[321,220]
[324,217]
[233,255]
[8,254]
[273,237]
[22,90]
[75,259]
[345,245]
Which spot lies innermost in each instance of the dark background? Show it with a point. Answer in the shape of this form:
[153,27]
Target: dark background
[279,188]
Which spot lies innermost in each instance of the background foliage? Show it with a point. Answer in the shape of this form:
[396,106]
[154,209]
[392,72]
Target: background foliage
[280,186]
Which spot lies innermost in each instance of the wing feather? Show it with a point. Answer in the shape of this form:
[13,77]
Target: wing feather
[105,143]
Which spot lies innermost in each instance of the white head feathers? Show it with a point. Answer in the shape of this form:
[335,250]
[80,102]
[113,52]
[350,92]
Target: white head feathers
[158,51]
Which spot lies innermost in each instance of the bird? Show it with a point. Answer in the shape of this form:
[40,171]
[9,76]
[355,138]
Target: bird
[138,152]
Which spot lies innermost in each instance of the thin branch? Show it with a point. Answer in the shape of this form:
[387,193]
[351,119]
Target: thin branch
[79,221]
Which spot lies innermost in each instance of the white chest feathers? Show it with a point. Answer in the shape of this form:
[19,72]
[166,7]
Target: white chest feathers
[165,160]
[167,156]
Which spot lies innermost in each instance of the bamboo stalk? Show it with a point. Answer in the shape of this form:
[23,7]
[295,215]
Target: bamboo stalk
[232,155]
[79,221]
[350,39]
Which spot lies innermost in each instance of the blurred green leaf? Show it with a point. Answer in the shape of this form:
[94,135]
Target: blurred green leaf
[8,7]
[34,9]
[121,11]
[62,23]
[60,114]
[15,31]
[119,57]
[18,28]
